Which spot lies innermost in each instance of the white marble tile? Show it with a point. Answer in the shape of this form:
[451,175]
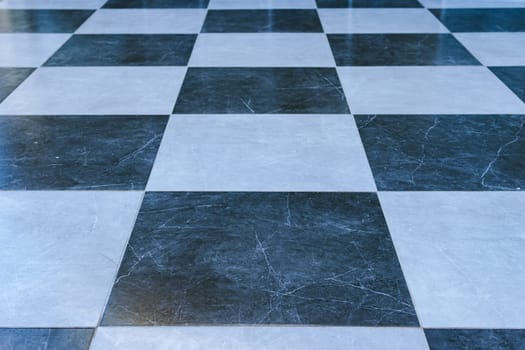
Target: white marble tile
[427,90]
[144,21]
[261,4]
[60,254]
[258,338]
[28,50]
[262,50]
[463,255]
[358,20]
[96,90]
[51,4]
[472,3]
[261,153]
[495,49]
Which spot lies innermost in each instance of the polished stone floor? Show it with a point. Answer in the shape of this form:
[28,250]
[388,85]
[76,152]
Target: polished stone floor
[262,174]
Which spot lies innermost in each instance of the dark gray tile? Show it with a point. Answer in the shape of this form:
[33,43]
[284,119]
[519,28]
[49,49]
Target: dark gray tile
[42,21]
[513,77]
[45,338]
[482,20]
[367,3]
[445,152]
[10,78]
[125,50]
[78,152]
[261,90]
[260,258]
[398,50]
[262,21]
[116,4]
[475,339]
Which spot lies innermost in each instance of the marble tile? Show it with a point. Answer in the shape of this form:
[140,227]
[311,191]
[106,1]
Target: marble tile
[28,50]
[45,338]
[458,339]
[92,90]
[261,90]
[42,21]
[513,77]
[60,254]
[399,50]
[262,21]
[260,258]
[262,4]
[445,153]
[258,338]
[482,20]
[68,152]
[51,4]
[367,3]
[160,4]
[261,153]
[462,254]
[10,78]
[144,21]
[262,50]
[495,49]
[125,50]
[472,3]
[426,90]
[378,20]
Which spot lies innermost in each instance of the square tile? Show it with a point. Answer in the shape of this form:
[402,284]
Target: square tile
[68,152]
[45,338]
[262,50]
[459,339]
[42,21]
[262,21]
[399,50]
[261,153]
[96,90]
[51,4]
[495,49]
[60,254]
[367,3]
[427,90]
[10,78]
[160,4]
[261,4]
[472,3]
[513,77]
[377,20]
[28,50]
[482,20]
[125,50]
[260,258]
[462,254]
[445,152]
[144,21]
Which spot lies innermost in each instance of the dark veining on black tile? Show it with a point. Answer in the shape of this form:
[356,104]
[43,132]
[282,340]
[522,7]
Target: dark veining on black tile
[42,21]
[45,338]
[482,20]
[476,339]
[261,90]
[398,50]
[367,3]
[78,152]
[513,77]
[445,152]
[125,50]
[260,258]
[156,4]
[10,78]
[261,21]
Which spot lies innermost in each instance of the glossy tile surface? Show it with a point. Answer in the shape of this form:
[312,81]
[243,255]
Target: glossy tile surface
[262,4]
[28,50]
[42,21]
[45,338]
[473,3]
[367,3]
[117,4]
[10,78]
[482,20]
[455,339]
[52,4]
[513,77]
[495,49]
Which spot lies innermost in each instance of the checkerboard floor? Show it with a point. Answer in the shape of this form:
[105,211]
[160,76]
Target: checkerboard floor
[262,174]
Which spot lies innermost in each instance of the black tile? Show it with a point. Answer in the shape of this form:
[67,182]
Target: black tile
[475,339]
[445,152]
[367,3]
[10,78]
[118,4]
[260,258]
[261,90]
[398,50]
[482,20]
[513,77]
[45,338]
[78,152]
[125,50]
[261,21]
[42,21]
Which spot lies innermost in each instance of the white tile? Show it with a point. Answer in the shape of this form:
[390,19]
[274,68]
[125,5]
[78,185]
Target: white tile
[495,49]
[51,4]
[262,50]
[427,90]
[472,3]
[358,20]
[261,4]
[256,153]
[144,21]
[463,255]
[97,90]
[28,50]
[60,254]
[258,338]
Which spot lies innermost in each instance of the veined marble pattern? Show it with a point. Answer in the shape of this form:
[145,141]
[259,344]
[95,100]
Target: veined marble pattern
[46,338]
